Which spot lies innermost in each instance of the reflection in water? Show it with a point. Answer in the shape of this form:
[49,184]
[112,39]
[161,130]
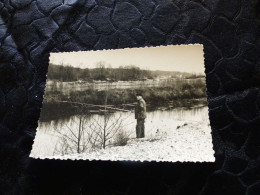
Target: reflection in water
[159,121]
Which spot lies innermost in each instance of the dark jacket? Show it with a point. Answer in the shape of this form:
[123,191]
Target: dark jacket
[140,109]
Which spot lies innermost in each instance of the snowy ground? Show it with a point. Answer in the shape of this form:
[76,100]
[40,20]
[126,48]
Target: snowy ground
[189,142]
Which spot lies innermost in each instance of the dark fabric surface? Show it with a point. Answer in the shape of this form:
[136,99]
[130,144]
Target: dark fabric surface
[229,30]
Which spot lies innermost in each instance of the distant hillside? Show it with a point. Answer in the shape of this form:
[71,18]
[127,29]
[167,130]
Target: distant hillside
[127,73]
[176,74]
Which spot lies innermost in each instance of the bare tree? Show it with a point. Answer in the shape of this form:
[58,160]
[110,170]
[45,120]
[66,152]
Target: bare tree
[88,133]
[73,138]
[102,133]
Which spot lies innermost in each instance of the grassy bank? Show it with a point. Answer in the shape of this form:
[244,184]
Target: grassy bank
[170,95]
[152,95]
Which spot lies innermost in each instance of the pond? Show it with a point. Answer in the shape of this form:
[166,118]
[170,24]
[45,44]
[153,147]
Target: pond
[162,122]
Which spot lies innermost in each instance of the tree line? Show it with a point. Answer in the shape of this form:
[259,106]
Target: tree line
[101,72]
[104,72]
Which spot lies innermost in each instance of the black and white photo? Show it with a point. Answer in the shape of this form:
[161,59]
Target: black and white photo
[138,104]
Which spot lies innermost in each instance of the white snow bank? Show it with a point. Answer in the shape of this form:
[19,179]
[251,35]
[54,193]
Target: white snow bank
[191,142]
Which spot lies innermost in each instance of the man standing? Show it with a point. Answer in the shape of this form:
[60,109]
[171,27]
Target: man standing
[140,115]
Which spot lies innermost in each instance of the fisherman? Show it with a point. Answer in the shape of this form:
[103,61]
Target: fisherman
[140,115]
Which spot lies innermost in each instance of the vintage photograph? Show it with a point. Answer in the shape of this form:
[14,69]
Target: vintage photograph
[138,104]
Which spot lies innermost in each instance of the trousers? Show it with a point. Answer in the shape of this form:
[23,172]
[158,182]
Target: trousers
[140,128]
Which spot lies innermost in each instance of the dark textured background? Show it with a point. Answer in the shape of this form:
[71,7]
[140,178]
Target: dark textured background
[229,30]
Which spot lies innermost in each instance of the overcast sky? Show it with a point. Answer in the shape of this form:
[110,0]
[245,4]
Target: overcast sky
[184,58]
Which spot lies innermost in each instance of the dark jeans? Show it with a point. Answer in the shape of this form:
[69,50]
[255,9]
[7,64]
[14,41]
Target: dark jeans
[140,128]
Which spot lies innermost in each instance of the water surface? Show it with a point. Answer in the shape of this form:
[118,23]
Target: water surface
[160,122]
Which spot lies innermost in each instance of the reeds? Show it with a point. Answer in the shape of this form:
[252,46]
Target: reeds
[168,90]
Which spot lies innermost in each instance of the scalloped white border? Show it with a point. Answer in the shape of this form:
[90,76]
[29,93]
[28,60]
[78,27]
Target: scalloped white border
[112,160]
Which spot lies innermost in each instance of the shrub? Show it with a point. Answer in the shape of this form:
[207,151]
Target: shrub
[121,138]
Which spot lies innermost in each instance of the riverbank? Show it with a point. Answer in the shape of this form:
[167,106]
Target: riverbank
[60,102]
[169,90]
[188,142]
[64,110]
